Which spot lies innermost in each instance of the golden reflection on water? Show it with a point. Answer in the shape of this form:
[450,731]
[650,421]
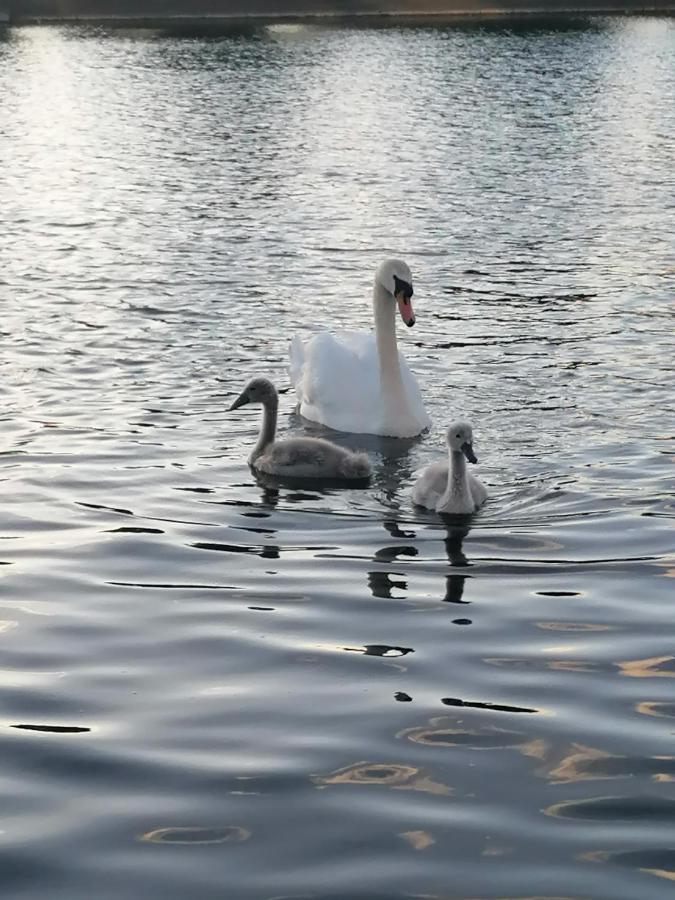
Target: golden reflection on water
[656,708]
[559,665]
[400,777]
[571,665]
[559,810]
[536,749]
[573,767]
[606,856]
[418,840]
[444,736]
[647,668]
[442,732]
[578,762]
[582,763]
[185,834]
[661,873]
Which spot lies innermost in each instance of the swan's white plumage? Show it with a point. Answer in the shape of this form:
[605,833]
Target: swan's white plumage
[337,381]
[359,382]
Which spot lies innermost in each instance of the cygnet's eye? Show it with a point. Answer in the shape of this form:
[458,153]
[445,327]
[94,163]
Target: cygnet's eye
[458,435]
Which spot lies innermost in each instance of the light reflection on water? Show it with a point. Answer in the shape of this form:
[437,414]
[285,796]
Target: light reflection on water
[214,684]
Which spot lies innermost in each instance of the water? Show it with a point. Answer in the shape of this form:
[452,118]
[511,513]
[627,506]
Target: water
[214,689]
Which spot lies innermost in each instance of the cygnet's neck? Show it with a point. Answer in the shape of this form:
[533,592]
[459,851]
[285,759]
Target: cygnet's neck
[268,428]
[393,394]
[457,496]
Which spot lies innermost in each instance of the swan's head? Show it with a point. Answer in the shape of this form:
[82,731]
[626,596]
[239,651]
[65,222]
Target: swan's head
[459,436]
[258,390]
[396,278]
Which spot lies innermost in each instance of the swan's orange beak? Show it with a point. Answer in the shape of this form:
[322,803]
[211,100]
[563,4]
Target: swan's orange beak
[405,308]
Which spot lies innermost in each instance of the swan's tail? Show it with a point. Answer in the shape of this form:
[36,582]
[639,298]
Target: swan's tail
[296,363]
[357,466]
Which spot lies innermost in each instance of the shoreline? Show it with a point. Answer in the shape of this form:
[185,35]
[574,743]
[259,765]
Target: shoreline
[239,12]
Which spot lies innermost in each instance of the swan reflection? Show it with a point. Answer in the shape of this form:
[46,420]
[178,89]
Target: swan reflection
[383,583]
[392,526]
[454,589]
[454,539]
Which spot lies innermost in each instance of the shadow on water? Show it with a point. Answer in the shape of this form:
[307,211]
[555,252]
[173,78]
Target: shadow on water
[376,444]
[305,488]
[391,457]
[163,29]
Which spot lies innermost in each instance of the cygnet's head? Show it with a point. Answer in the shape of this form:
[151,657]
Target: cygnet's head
[258,390]
[459,436]
[396,278]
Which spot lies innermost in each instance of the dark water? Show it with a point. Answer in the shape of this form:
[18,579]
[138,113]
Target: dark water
[213,689]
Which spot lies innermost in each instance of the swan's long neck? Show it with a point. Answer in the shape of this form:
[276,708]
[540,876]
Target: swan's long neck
[457,493]
[391,384]
[268,428]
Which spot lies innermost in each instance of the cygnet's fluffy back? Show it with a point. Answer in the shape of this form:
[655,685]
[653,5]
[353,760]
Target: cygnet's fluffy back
[306,457]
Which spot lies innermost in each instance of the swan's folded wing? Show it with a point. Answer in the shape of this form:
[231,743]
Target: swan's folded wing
[338,383]
[430,485]
[298,457]
[479,492]
[414,394]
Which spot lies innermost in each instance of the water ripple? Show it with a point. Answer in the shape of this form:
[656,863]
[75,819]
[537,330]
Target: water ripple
[438,708]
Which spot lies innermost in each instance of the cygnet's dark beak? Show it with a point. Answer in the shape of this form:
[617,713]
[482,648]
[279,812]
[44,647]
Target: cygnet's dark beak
[467,450]
[241,400]
[405,307]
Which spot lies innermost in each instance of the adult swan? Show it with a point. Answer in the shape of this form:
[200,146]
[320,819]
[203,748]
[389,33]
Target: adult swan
[359,382]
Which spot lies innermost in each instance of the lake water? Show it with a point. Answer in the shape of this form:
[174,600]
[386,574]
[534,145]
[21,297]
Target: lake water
[214,689]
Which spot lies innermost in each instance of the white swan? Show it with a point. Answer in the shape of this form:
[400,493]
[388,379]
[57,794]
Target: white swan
[299,457]
[446,486]
[359,382]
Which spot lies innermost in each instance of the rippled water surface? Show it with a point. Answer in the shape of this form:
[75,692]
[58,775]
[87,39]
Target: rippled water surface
[215,689]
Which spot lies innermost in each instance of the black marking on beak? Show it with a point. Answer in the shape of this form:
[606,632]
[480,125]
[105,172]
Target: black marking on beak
[241,400]
[467,450]
[402,287]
